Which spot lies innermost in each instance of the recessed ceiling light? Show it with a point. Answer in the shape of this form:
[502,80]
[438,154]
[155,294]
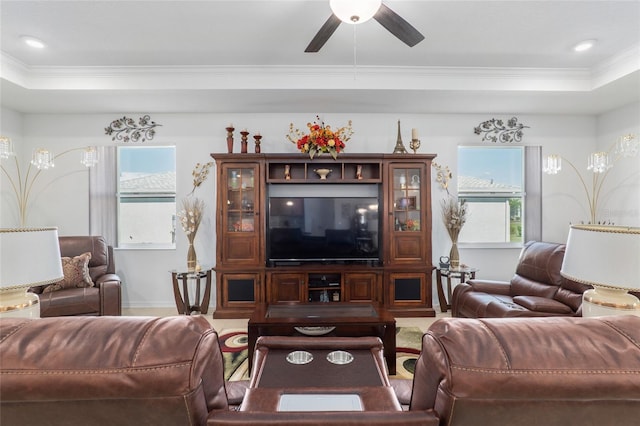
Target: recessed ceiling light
[584,45]
[34,42]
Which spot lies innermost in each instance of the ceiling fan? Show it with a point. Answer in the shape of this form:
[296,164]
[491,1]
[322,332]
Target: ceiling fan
[359,11]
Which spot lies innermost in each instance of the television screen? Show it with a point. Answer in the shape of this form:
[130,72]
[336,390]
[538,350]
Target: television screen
[323,228]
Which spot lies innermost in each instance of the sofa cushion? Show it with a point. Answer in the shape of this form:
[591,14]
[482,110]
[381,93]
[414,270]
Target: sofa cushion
[76,273]
[541,261]
[474,303]
[542,304]
[523,286]
[97,245]
[72,301]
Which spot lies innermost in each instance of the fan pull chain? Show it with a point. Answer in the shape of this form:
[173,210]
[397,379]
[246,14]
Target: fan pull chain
[354,52]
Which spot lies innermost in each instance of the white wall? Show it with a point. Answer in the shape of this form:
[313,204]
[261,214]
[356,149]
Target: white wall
[61,198]
[620,199]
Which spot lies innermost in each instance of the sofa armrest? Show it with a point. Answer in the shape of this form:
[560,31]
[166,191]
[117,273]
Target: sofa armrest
[333,418]
[402,389]
[110,298]
[108,278]
[490,286]
[235,391]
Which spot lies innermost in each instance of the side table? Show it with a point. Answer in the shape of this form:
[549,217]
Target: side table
[462,273]
[182,300]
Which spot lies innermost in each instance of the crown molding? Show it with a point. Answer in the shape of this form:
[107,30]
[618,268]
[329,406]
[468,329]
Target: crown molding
[618,66]
[293,77]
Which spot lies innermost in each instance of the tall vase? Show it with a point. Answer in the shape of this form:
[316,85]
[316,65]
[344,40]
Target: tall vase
[454,256]
[192,259]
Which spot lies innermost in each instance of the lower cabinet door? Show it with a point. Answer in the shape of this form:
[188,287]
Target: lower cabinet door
[286,287]
[362,287]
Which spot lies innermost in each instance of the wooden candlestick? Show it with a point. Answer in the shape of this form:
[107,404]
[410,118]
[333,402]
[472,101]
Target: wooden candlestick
[229,139]
[243,141]
[257,138]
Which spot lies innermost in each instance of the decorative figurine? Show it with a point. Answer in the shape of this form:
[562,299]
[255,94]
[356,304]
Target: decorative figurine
[257,137]
[287,172]
[230,130]
[243,141]
[359,172]
[399,149]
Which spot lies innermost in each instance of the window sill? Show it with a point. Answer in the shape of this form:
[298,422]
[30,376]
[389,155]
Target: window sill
[465,246]
[123,247]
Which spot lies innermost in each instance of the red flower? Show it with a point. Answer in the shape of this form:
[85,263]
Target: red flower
[320,138]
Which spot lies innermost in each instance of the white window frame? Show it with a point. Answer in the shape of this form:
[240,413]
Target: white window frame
[133,196]
[530,194]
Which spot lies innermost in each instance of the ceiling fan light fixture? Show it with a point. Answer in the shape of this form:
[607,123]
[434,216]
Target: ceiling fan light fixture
[354,11]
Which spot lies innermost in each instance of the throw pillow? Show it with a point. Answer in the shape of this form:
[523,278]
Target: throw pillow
[76,273]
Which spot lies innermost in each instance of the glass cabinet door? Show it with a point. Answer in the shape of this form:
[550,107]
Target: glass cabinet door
[241,199]
[406,199]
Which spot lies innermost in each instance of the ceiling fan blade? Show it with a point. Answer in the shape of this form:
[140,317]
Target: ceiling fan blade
[397,26]
[323,34]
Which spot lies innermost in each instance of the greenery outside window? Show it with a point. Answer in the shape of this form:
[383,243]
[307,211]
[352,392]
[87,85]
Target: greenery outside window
[146,196]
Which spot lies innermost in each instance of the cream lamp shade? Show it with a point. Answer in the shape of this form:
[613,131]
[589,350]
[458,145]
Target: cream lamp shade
[608,258]
[28,257]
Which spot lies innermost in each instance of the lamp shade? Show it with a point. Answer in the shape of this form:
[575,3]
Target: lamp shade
[354,11]
[29,257]
[606,257]
[603,256]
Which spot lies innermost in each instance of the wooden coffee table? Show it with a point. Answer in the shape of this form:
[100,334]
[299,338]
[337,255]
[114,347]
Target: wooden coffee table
[349,320]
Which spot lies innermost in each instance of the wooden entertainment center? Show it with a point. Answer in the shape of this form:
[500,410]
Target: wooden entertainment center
[399,278]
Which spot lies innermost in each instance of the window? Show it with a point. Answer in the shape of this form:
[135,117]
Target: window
[146,196]
[502,193]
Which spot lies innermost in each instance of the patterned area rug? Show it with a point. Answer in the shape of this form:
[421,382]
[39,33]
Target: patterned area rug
[235,353]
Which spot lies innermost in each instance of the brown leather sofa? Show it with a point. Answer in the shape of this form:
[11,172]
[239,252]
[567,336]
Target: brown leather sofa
[104,298]
[536,290]
[111,371]
[553,371]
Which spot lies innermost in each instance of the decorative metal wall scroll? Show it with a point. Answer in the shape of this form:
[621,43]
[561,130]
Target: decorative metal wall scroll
[127,130]
[494,130]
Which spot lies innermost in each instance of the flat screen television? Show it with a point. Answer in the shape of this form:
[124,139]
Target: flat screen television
[328,223]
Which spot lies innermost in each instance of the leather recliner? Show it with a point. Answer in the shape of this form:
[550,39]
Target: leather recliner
[536,290]
[552,371]
[104,298]
[111,371]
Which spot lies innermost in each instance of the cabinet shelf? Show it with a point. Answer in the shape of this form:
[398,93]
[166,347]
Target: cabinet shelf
[348,170]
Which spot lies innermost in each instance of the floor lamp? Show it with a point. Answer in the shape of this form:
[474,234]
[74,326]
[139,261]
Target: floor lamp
[607,258]
[28,257]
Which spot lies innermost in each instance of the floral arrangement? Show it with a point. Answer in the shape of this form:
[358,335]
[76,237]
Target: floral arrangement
[200,173]
[443,175]
[190,216]
[321,138]
[412,224]
[192,212]
[454,216]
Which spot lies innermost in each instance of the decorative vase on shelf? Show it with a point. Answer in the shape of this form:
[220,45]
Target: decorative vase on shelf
[454,256]
[192,259]
[323,173]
